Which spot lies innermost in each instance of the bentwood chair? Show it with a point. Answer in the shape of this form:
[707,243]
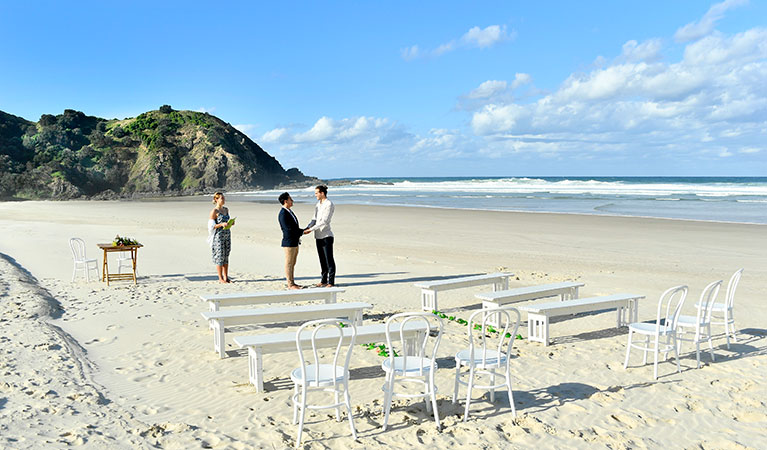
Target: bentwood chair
[487,356]
[323,372]
[417,362]
[701,322]
[724,311]
[664,326]
[81,262]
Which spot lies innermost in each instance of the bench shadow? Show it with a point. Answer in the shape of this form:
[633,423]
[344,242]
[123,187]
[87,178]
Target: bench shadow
[397,280]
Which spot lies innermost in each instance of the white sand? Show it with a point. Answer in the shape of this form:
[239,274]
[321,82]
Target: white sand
[134,367]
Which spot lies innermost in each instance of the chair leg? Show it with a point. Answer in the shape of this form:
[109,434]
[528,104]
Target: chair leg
[74,272]
[697,350]
[646,346]
[303,416]
[295,403]
[628,351]
[511,394]
[338,408]
[468,394]
[731,320]
[655,354]
[676,356]
[433,395]
[457,377]
[388,399]
[349,409]
[711,344]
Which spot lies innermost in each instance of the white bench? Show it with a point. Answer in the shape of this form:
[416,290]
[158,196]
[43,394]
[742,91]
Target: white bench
[286,342]
[538,315]
[429,289]
[219,320]
[567,290]
[216,301]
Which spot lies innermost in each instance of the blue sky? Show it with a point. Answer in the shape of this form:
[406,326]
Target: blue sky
[355,89]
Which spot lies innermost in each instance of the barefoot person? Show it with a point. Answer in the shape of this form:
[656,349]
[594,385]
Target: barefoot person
[291,237]
[320,224]
[219,237]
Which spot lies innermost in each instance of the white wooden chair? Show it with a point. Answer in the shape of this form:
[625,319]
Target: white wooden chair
[125,259]
[417,363]
[669,306]
[724,311]
[321,374]
[81,262]
[487,358]
[701,322]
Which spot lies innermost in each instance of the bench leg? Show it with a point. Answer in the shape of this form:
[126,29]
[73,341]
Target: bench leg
[494,319]
[356,318]
[429,300]
[218,338]
[332,298]
[538,328]
[255,368]
[213,306]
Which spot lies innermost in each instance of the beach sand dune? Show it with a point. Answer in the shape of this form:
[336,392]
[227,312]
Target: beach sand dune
[133,366]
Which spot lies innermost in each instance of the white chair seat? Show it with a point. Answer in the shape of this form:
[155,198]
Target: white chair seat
[650,328]
[414,364]
[492,358]
[326,375]
[718,307]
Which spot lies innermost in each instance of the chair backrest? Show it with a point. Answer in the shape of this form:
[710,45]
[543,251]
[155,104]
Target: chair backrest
[707,300]
[734,280]
[325,329]
[669,306]
[425,347]
[78,248]
[479,330]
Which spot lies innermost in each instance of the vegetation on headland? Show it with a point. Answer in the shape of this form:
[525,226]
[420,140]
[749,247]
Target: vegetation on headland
[161,152]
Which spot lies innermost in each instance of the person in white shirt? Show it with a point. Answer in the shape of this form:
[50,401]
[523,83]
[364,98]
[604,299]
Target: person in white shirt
[320,224]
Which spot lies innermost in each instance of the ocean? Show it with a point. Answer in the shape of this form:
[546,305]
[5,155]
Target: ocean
[719,199]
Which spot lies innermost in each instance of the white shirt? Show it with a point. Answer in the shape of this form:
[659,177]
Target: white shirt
[323,212]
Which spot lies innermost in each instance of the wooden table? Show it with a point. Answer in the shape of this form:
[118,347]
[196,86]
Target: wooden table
[109,248]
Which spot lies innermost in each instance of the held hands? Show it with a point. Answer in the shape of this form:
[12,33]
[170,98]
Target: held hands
[307,231]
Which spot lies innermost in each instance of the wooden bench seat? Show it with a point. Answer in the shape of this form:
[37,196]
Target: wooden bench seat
[566,290]
[216,301]
[286,342]
[429,289]
[538,315]
[219,320]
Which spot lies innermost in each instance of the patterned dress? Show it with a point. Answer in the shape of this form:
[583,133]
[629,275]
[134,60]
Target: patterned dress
[222,242]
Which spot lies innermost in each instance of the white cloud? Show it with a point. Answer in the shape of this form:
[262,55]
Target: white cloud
[323,129]
[274,135]
[410,53]
[206,110]
[696,30]
[713,95]
[486,37]
[488,89]
[474,38]
[749,150]
[646,51]
[725,154]
[521,79]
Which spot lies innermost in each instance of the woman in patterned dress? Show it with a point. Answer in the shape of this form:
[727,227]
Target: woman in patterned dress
[221,243]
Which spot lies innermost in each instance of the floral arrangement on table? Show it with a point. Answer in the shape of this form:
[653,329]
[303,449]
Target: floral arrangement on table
[122,241]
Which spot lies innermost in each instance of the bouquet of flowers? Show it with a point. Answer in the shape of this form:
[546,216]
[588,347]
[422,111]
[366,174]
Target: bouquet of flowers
[121,241]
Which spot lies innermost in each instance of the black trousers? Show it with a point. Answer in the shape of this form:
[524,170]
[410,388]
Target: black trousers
[327,263]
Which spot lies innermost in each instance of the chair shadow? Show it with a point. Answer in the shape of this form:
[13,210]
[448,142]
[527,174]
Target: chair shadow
[545,398]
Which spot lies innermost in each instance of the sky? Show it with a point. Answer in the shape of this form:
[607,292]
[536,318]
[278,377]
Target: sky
[431,88]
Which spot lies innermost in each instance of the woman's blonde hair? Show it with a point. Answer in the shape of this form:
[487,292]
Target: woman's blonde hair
[217,195]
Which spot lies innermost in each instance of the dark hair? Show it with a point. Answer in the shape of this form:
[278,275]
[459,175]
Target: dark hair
[283,198]
[322,188]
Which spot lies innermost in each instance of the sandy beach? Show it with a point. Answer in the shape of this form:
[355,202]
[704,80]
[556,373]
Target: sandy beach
[126,366]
